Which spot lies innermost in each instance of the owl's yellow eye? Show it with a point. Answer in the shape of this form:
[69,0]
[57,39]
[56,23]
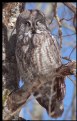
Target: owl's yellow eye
[27,23]
[38,22]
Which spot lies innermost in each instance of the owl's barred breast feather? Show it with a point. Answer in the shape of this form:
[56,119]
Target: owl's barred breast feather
[46,55]
[43,58]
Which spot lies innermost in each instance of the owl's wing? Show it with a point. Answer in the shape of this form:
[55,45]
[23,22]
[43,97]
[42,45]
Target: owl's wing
[56,50]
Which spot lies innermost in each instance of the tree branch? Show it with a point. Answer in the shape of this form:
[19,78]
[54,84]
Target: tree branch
[67,69]
[17,99]
[70,6]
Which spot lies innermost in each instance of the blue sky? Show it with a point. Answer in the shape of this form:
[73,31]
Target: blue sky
[65,52]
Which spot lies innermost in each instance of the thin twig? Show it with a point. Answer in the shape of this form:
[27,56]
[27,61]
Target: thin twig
[70,106]
[66,58]
[65,35]
[66,19]
[59,24]
[74,21]
[52,93]
[72,51]
[72,80]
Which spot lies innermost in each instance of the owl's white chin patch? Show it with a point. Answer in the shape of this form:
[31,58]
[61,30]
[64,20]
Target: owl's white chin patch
[28,34]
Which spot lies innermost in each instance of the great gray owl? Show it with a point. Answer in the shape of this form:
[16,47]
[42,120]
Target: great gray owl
[38,56]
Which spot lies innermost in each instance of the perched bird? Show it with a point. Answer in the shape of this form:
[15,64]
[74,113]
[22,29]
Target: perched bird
[38,57]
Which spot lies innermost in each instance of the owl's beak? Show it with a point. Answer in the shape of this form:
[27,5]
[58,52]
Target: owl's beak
[33,31]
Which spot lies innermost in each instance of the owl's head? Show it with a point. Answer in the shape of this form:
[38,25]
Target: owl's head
[31,22]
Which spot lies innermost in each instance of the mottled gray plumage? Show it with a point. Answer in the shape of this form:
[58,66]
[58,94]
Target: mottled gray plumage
[37,51]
